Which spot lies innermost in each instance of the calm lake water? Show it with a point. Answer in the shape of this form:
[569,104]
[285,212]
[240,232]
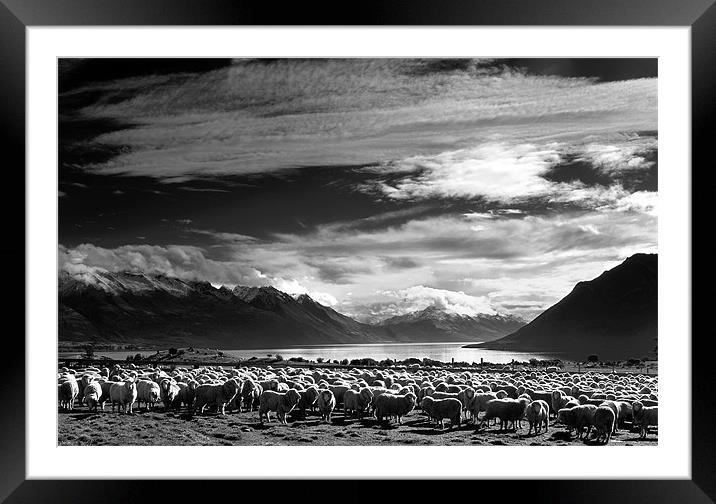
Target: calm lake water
[443,352]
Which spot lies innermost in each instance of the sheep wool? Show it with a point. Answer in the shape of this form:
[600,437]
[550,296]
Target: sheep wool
[281,403]
[389,405]
[326,403]
[440,409]
[604,420]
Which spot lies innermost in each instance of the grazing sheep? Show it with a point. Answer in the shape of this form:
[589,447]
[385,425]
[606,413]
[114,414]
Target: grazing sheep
[123,394]
[148,392]
[439,409]
[604,420]
[280,402]
[507,410]
[92,393]
[216,395]
[644,417]
[389,405]
[537,414]
[326,403]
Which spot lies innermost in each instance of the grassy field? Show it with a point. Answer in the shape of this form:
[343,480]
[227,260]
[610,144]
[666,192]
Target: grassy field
[80,427]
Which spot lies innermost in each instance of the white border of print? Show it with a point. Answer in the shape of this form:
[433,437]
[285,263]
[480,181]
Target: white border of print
[670,458]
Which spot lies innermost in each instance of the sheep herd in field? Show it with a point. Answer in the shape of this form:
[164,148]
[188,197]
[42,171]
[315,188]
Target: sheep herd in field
[585,403]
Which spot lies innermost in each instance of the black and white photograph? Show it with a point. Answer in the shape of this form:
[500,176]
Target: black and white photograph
[359,251]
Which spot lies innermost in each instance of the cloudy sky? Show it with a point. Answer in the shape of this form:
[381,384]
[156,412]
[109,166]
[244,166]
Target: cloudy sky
[377,186]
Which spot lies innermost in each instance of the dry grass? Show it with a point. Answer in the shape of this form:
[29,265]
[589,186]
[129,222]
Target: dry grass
[80,427]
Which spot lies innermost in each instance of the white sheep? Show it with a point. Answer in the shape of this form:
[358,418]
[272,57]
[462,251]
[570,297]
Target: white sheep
[148,392]
[217,395]
[123,394]
[578,418]
[644,417]
[281,403]
[507,410]
[67,392]
[92,393]
[356,402]
[604,420]
[389,405]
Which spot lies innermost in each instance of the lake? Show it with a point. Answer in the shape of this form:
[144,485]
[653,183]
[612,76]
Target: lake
[443,352]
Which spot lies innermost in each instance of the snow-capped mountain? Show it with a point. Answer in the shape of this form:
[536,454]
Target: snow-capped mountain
[159,310]
[427,324]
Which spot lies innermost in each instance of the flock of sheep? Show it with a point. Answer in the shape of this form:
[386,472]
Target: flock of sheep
[584,403]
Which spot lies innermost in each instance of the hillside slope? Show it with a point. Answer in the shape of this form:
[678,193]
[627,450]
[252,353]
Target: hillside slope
[614,316]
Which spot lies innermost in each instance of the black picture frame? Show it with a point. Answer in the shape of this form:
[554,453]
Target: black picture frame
[17,15]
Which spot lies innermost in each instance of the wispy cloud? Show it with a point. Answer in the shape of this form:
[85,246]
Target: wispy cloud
[256,118]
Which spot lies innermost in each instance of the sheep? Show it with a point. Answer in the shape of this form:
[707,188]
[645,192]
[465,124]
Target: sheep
[479,403]
[644,417]
[377,392]
[217,395]
[466,396]
[168,392]
[439,409]
[85,380]
[92,393]
[507,410]
[578,418]
[338,392]
[67,392]
[389,405]
[559,400]
[269,385]
[326,403]
[604,420]
[250,392]
[280,402]
[357,402]
[148,392]
[186,395]
[123,394]
[622,411]
[537,414]
[308,399]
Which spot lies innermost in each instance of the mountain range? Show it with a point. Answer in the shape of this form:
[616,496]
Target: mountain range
[424,325]
[614,316]
[160,311]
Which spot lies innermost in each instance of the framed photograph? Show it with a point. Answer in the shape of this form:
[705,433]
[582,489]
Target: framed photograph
[288,247]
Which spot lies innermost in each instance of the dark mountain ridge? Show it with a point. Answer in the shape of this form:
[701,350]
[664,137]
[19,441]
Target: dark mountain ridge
[161,311]
[614,316]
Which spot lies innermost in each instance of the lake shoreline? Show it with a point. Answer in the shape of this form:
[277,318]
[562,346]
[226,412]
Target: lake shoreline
[209,357]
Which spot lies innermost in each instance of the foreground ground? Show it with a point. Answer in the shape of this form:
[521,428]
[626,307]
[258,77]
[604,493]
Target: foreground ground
[80,427]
